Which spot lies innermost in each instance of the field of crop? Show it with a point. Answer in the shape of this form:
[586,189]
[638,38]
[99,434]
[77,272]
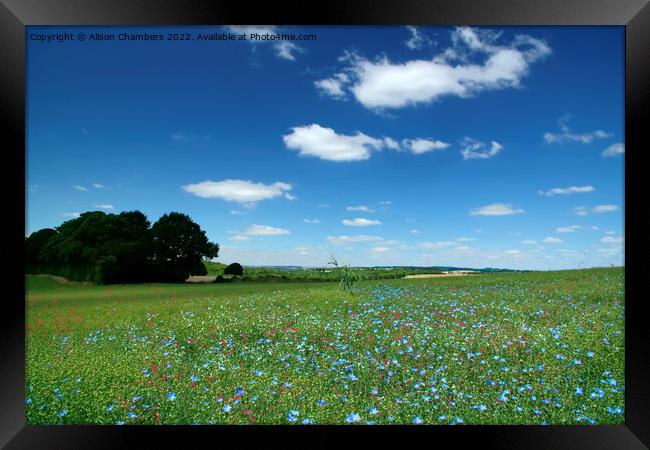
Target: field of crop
[514,348]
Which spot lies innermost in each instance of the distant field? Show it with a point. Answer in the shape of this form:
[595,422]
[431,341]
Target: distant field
[511,348]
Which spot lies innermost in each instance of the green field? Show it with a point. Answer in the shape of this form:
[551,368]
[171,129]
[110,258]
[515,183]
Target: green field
[511,348]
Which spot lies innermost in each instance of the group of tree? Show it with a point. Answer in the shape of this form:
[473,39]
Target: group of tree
[121,248]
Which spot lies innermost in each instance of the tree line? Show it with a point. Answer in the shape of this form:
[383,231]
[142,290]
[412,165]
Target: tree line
[121,248]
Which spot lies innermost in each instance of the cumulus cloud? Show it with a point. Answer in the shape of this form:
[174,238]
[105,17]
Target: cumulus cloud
[600,209]
[343,239]
[497,209]
[581,211]
[98,186]
[360,222]
[239,237]
[613,150]
[529,242]
[283,49]
[80,188]
[241,191]
[264,230]
[414,231]
[569,229]
[567,190]
[311,221]
[71,214]
[613,239]
[551,240]
[325,143]
[471,149]
[360,208]
[566,135]
[417,39]
[381,84]
[420,145]
[466,239]
[103,206]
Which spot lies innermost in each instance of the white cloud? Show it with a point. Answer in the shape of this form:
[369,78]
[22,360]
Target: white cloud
[340,240]
[71,214]
[417,39]
[264,230]
[529,242]
[246,192]
[414,231]
[569,229]
[104,206]
[80,188]
[268,34]
[466,239]
[567,190]
[613,150]
[98,186]
[235,212]
[325,143]
[312,221]
[471,149]
[600,209]
[360,222]
[360,208]
[566,135]
[286,50]
[381,249]
[551,240]
[420,145]
[581,211]
[386,202]
[239,237]
[497,209]
[613,239]
[464,248]
[383,84]
[513,252]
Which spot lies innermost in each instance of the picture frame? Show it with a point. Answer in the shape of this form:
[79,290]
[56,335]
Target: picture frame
[634,15]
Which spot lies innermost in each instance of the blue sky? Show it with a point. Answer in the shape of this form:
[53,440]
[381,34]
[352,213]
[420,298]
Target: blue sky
[479,147]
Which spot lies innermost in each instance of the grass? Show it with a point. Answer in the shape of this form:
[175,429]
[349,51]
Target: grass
[512,348]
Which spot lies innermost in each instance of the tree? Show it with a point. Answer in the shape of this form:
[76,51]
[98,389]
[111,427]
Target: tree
[234,269]
[33,246]
[178,246]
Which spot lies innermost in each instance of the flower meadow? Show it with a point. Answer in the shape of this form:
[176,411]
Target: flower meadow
[507,348]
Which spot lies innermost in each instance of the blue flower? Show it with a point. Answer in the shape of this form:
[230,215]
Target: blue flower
[352,417]
[417,421]
[590,354]
[227,408]
[119,422]
[110,408]
[294,412]
[63,412]
[171,396]
[373,411]
[307,422]
[597,393]
[579,391]
[28,401]
[132,415]
[321,402]
[239,391]
[537,411]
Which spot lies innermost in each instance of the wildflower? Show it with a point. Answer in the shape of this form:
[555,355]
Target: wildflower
[321,402]
[63,412]
[373,411]
[132,415]
[171,396]
[239,391]
[352,417]
[597,393]
[227,408]
[307,422]
[110,408]
[579,391]
[590,354]
[417,421]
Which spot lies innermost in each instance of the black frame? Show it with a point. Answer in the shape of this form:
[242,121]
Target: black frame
[633,14]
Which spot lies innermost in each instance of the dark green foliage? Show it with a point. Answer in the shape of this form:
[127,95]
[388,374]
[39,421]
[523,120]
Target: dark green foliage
[234,269]
[179,246]
[120,248]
